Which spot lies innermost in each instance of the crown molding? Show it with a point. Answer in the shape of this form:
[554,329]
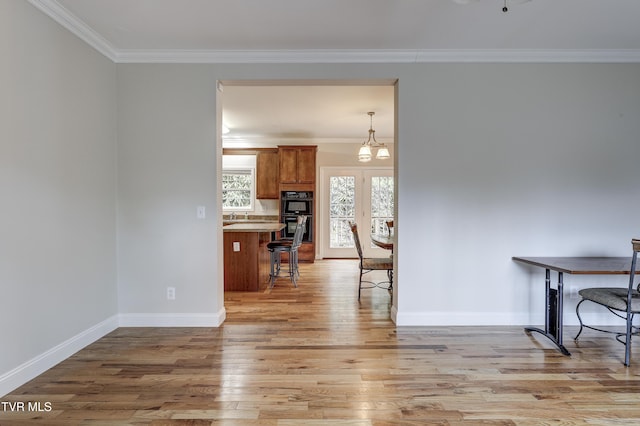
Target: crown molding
[531,55]
[266,56]
[376,56]
[69,21]
[55,11]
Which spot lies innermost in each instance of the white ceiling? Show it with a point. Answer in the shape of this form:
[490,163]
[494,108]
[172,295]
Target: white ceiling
[414,26]
[286,114]
[344,31]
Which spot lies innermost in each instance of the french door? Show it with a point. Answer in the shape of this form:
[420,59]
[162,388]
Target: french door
[361,195]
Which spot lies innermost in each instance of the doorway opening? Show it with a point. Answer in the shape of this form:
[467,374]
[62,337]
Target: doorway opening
[331,114]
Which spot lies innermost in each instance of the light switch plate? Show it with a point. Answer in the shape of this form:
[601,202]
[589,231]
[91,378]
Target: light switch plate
[236,246]
[201,212]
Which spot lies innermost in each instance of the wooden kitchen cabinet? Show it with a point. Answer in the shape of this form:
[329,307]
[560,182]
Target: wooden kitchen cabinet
[298,164]
[307,165]
[267,175]
[298,173]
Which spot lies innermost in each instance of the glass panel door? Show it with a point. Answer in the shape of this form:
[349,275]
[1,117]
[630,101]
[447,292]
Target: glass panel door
[342,210]
[364,196]
[378,201]
[381,203]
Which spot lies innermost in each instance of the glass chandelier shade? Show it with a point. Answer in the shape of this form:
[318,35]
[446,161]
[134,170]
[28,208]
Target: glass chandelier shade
[365,152]
[383,153]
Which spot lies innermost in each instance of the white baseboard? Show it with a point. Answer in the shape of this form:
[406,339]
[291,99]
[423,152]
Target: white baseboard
[444,319]
[458,318]
[172,320]
[394,314]
[41,363]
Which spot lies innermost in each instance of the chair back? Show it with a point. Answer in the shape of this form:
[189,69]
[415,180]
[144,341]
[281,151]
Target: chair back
[299,232]
[635,243]
[389,224]
[356,238]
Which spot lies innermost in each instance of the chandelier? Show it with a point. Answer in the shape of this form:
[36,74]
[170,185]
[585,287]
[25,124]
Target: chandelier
[382,152]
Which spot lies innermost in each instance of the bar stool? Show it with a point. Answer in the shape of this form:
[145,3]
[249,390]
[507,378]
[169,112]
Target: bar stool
[287,246]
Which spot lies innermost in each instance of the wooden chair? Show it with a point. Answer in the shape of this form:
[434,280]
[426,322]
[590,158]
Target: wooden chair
[389,224]
[623,302]
[368,264]
[291,247]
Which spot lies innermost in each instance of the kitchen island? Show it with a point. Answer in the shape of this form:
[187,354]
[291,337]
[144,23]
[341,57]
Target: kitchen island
[246,258]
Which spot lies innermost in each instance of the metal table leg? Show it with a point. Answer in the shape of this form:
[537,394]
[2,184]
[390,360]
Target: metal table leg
[553,313]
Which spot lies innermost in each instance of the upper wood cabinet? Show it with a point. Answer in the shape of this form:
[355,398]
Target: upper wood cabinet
[298,164]
[267,175]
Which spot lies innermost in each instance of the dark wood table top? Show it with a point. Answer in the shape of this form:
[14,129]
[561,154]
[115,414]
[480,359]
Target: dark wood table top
[582,265]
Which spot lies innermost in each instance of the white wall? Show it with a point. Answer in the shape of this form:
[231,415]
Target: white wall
[57,192]
[492,161]
[167,168]
[504,160]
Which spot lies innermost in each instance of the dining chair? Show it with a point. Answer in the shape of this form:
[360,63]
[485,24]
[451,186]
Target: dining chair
[623,302]
[390,230]
[277,247]
[369,264]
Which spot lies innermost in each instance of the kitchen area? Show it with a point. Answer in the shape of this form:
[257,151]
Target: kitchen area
[285,184]
[291,140]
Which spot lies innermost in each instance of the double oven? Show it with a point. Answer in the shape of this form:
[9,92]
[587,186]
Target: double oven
[294,204]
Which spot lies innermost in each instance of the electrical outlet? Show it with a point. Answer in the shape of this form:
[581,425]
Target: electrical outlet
[171,293]
[573,292]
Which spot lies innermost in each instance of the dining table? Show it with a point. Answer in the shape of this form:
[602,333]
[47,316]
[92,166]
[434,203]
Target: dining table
[383,241]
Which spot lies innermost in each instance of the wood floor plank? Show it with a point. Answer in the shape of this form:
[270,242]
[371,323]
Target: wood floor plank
[314,355]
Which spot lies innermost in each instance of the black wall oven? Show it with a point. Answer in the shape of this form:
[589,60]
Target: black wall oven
[294,204]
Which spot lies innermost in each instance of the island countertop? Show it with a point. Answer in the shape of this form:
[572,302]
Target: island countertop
[254,227]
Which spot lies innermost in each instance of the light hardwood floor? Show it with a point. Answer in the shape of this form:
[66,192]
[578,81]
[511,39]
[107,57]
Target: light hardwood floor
[316,356]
